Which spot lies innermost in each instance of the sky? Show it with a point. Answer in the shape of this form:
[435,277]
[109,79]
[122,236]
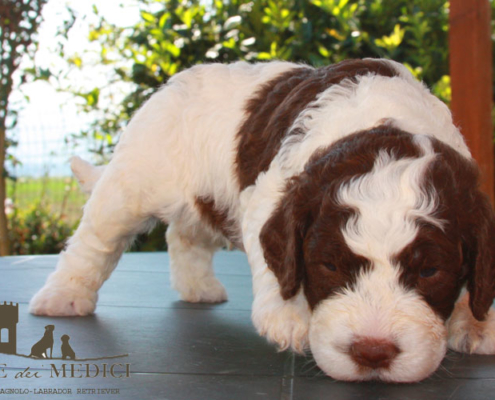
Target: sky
[49,115]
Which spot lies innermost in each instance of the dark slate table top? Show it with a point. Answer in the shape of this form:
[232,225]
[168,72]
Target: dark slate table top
[184,351]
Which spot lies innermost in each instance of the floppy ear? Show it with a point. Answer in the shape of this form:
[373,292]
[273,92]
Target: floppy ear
[480,255]
[458,178]
[282,241]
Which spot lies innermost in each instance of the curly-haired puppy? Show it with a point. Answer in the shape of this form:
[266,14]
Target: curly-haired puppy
[349,188]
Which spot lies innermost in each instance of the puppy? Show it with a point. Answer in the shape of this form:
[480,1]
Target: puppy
[349,188]
[67,351]
[40,349]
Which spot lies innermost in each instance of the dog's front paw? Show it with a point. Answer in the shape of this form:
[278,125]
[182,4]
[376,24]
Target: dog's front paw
[468,335]
[57,301]
[208,290]
[286,324]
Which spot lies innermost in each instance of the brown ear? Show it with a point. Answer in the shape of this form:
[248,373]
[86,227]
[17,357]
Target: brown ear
[480,255]
[457,181]
[282,241]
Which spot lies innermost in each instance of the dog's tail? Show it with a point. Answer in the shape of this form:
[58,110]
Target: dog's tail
[86,174]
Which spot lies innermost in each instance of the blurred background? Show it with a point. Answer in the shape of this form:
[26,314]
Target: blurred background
[73,72]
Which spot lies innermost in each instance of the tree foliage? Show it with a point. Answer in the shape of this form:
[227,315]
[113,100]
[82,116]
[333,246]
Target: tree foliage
[173,35]
[19,21]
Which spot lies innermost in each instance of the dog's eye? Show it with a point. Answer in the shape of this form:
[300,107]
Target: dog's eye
[330,267]
[427,272]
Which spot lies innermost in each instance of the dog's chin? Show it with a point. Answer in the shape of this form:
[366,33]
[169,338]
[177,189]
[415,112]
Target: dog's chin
[347,370]
[420,340]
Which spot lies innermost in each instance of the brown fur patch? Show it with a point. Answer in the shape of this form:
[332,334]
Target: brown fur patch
[272,111]
[434,249]
[218,220]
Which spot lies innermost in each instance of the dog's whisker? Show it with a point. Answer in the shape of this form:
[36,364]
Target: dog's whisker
[309,367]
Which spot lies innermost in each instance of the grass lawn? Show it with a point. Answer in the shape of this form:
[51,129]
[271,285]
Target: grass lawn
[61,194]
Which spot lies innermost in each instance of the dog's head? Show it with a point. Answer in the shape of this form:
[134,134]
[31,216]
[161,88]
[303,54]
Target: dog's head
[381,231]
[49,328]
[65,338]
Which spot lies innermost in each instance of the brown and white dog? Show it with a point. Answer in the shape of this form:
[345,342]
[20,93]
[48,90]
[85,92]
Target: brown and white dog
[349,188]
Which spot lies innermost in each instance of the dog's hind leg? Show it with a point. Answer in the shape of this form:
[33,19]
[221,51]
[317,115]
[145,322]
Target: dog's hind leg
[468,335]
[191,248]
[119,208]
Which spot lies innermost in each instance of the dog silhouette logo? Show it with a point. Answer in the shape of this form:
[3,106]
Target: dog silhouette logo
[67,351]
[40,348]
[43,348]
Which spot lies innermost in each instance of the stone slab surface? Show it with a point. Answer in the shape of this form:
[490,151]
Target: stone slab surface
[175,350]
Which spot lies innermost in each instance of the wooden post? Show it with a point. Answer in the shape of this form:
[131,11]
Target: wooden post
[471,75]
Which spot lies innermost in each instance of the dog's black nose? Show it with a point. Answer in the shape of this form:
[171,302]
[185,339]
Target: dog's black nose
[373,353]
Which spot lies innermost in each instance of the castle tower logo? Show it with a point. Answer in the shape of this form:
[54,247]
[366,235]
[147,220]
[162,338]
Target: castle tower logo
[9,317]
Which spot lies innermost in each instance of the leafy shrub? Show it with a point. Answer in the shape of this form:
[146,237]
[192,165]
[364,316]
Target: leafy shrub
[37,230]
